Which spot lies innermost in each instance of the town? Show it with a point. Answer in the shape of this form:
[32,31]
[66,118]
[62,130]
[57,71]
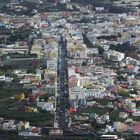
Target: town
[70,69]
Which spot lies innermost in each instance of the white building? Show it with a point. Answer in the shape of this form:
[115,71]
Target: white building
[123,115]
[77,54]
[114,55]
[136,114]
[92,51]
[14,48]
[76,93]
[2,78]
[9,125]
[95,93]
[28,134]
[46,106]
[6,79]
[56,131]
[52,64]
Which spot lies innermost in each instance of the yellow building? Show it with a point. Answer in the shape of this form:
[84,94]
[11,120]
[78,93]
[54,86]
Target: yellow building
[20,96]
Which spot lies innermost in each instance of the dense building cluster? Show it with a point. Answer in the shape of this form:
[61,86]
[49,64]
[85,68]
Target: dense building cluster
[75,68]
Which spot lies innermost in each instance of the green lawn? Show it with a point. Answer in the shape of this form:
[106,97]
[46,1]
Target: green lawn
[102,101]
[29,116]
[4,93]
[99,111]
[3,71]
[6,102]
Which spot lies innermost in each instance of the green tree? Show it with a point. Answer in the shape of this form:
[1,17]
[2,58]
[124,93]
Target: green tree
[101,50]
[2,83]
[84,63]
[31,71]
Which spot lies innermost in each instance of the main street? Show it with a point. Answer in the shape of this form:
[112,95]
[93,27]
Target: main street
[63,84]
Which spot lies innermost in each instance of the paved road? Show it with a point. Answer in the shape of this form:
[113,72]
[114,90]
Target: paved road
[63,84]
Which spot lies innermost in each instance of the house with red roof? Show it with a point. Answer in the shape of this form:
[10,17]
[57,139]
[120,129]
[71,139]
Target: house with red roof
[136,128]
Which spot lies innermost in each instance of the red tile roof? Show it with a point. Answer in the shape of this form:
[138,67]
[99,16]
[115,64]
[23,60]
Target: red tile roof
[136,128]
